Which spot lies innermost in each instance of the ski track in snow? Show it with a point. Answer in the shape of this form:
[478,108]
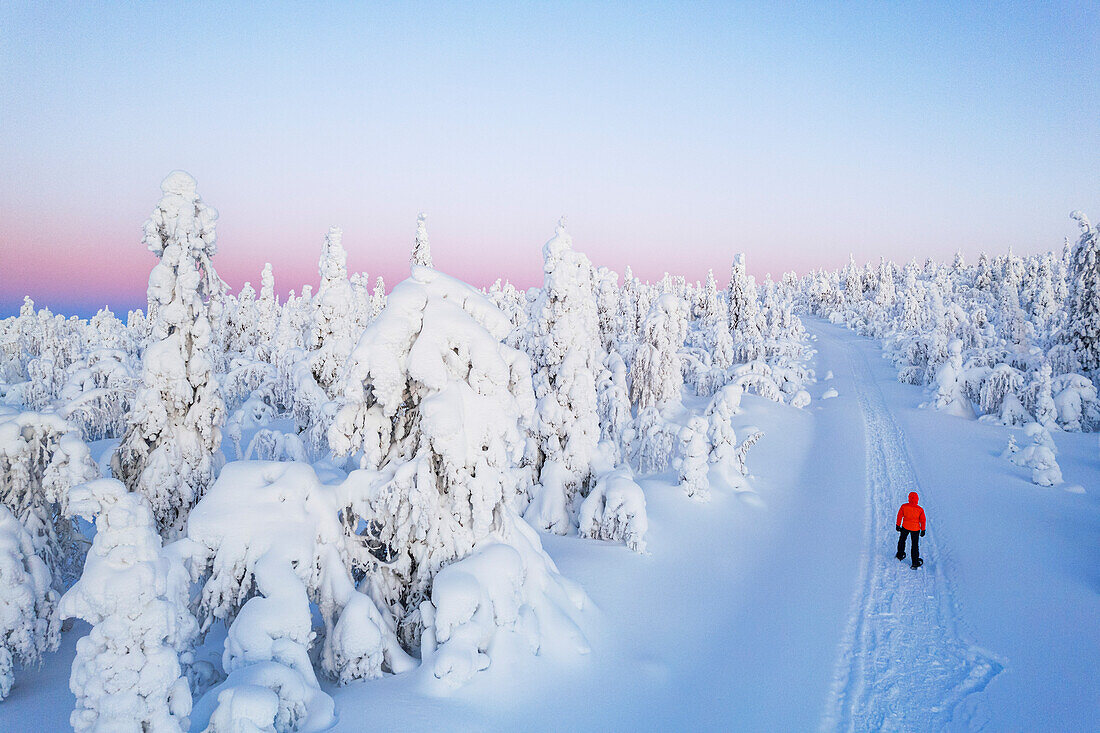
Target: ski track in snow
[905,663]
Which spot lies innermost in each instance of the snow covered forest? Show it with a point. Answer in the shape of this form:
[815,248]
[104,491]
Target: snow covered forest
[242,505]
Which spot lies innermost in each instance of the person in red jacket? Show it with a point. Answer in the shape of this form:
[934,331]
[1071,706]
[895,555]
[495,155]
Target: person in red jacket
[911,524]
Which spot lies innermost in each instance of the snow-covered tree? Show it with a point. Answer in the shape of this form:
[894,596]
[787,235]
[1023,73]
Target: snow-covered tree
[607,306]
[377,298]
[1041,397]
[257,523]
[613,401]
[239,323]
[853,282]
[983,279]
[950,384]
[743,311]
[1040,455]
[885,290]
[267,316]
[170,450]
[693,462]
[41,460]
[127,674]
[720,432]
[436,405]
[633,307]
[99,393]
[655,442]
[656,377]
[333,333]
[360,301]
[565,350]
[1083,316]
[29,624]
[712,335]
[422,249]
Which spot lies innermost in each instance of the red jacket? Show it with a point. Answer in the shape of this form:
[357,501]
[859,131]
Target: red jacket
[911,516]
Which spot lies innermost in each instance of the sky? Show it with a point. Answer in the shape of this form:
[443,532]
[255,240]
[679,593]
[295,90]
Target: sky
[671,136]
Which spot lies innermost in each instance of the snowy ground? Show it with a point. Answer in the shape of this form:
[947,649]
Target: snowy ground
[785,609]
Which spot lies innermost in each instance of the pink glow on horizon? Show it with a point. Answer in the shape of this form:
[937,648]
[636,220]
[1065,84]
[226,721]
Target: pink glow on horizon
[88,270]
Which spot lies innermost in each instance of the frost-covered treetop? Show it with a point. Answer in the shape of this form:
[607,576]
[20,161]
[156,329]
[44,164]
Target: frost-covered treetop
[399,330]
[181,216]
[554,249]
[267,282]
[434,330]
[179,183]
[1082,221]
[422,250]
[333,266]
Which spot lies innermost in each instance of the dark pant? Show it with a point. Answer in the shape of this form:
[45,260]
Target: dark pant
[915,534]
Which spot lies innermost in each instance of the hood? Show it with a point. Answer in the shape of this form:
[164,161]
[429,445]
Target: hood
[913,497]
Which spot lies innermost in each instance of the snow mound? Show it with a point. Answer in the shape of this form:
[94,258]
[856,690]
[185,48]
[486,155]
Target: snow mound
[267,648]
[1040,456]
[614,510]
[257,508]
[504,594]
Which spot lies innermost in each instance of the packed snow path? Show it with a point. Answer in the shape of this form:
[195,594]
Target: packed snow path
[905,663]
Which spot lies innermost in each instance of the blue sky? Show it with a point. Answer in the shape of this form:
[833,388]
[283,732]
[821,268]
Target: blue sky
[671,135]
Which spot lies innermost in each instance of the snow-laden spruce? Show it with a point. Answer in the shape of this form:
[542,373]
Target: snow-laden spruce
[29,623]
[127,674]
[422,248]
[41,459]
[333,333]
[613,404]
[170,452]
[267,316]
[100,386]
[726,455]
[564,345]
[712,339]
[505,597]
[950,386]
[1083,316]
[693,461]
[436,408]
[656,377]
[744,312]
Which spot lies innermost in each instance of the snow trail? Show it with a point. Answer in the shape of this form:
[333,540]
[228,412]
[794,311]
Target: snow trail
[905,662]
